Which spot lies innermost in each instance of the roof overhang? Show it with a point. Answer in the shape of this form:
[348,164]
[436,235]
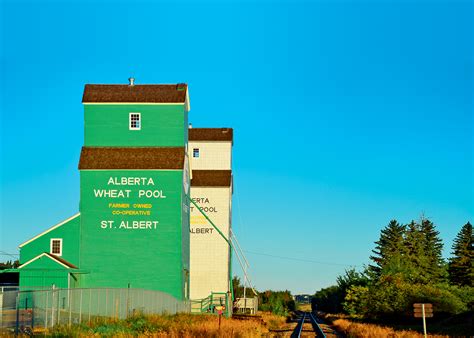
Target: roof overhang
[132,158]
[149,94]
[60,261]
[211,178]
[211,135]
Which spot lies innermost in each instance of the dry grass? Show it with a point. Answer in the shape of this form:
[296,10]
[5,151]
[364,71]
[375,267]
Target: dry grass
[361,330]
[273,322]
[304,307]
[208,326]
[181,325]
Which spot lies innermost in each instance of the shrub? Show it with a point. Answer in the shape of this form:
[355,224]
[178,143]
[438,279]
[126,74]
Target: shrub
[328,299]
[443,298]
[356,300]
[277,302]
[392,296]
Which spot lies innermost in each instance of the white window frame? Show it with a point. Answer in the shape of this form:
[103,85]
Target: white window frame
[130,121]
[60,246]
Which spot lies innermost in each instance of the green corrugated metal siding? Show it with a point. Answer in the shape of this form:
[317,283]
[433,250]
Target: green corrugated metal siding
[161,126]
[146,258]
[69,232]
[75,280]
[43,278]
[43,273]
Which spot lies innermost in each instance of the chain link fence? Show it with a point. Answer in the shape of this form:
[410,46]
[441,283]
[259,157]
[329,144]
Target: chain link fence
[24,311]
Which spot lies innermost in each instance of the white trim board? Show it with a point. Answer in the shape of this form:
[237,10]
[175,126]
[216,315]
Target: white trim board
[50,229]
[187,102]
[39,256]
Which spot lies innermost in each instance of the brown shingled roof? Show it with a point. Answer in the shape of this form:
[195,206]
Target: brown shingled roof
[131,158]
[97,93]
[59,259]
[211,178]
[211,134]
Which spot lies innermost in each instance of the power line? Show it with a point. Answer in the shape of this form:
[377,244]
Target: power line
[9,254]
[300,259]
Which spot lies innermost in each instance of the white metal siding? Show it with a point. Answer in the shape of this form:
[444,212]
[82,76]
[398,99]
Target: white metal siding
[213,155]
[209,252]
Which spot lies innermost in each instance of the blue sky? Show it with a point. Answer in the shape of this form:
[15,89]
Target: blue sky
[346,114]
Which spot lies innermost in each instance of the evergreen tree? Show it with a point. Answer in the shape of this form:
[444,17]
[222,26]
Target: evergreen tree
[434,265]
[389,248]
[461,265]
[424,247]
[350,278]
[414,242]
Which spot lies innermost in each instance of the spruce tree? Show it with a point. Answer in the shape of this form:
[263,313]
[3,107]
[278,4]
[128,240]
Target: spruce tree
[425,252]
[389,248]
[433,248]
[416,255]
[461,265]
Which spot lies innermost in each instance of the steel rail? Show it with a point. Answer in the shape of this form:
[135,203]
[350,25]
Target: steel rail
[316,327]
[299,327]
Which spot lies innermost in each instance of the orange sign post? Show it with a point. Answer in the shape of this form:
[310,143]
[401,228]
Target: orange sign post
[220,310]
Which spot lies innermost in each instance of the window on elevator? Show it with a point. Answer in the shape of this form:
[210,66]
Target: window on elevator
[56,246]
[135,121]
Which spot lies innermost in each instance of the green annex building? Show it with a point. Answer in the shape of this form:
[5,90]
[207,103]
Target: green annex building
[132,229]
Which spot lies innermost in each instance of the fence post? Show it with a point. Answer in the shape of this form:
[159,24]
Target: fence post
[90,303]
[98,295]
[58,307]
[106,299]
[25,312]
[128,300]
[80,308]
[117,308]
[46,311]
[52,306]
[70,306]
[17,312]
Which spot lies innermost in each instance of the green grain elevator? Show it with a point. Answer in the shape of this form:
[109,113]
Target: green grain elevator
[133,226]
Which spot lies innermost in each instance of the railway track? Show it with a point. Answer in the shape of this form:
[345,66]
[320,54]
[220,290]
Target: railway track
[308,325]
